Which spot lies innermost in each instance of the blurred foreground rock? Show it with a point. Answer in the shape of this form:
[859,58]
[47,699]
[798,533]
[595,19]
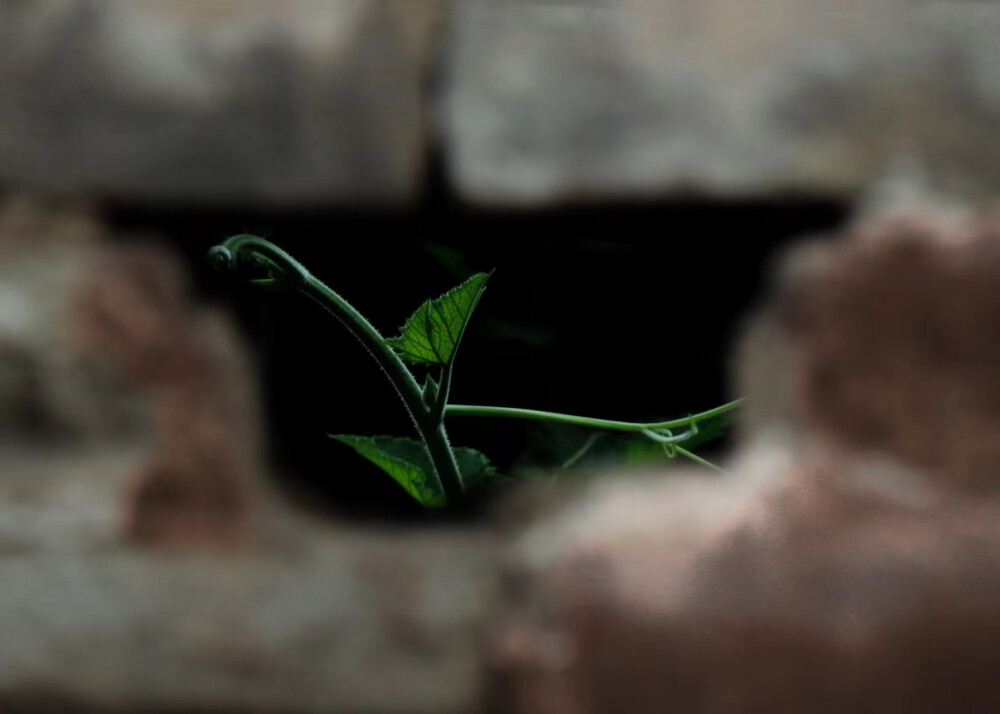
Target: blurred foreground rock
[848,562]
[103,351]
[354,622]
[144,565]
[851,560]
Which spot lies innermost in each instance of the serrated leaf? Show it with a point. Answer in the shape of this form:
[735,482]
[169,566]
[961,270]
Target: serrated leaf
[403,459]
[407,462]
[432,333]
[474,466]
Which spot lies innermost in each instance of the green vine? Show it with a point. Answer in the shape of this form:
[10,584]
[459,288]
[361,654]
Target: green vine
[431,469]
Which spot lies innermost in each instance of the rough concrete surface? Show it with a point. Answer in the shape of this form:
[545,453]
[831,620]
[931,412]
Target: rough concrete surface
[350,624]
[835,568]
[145,564]
[533,102]
[549,102]
[850,559]
[306,101]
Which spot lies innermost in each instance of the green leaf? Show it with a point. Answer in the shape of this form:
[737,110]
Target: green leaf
[432,333]
[407,462]
[474,467]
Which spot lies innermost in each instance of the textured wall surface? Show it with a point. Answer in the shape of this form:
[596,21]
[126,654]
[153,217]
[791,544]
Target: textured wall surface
[552,100]
[304,101]
[532,101]
[849,560]
[145,562]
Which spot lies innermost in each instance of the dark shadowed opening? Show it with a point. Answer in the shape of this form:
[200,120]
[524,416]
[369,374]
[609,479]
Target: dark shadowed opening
[623,311]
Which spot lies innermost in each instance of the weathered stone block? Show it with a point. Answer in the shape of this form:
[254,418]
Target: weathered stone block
[337,622]
[224,100]
[881,344]
[850,560]
[142,566]
[49,391]
[561,101]
[102,350]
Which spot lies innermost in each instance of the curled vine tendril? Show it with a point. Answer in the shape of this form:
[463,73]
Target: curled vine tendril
[249,256]
[667,438]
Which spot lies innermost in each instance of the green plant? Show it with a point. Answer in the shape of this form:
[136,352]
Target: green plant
[431,469]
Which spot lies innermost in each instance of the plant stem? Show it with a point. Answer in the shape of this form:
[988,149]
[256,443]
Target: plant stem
[428,423]
[444,390]
[466,410]
[697,459]
[295,276]
[580,453]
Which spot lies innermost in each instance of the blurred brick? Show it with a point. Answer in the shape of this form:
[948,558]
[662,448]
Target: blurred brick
[848,562]
[592,99]
[305,101]
[145,564]
[880,344]
[49,391]
[850,559]
[103,351]
[336,621]
[810,590]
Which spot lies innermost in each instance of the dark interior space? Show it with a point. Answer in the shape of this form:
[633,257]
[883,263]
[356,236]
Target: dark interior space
[613,311]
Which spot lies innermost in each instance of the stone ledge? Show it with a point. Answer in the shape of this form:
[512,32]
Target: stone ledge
[353,623]
[325,102]
[309,101]
[550,102]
